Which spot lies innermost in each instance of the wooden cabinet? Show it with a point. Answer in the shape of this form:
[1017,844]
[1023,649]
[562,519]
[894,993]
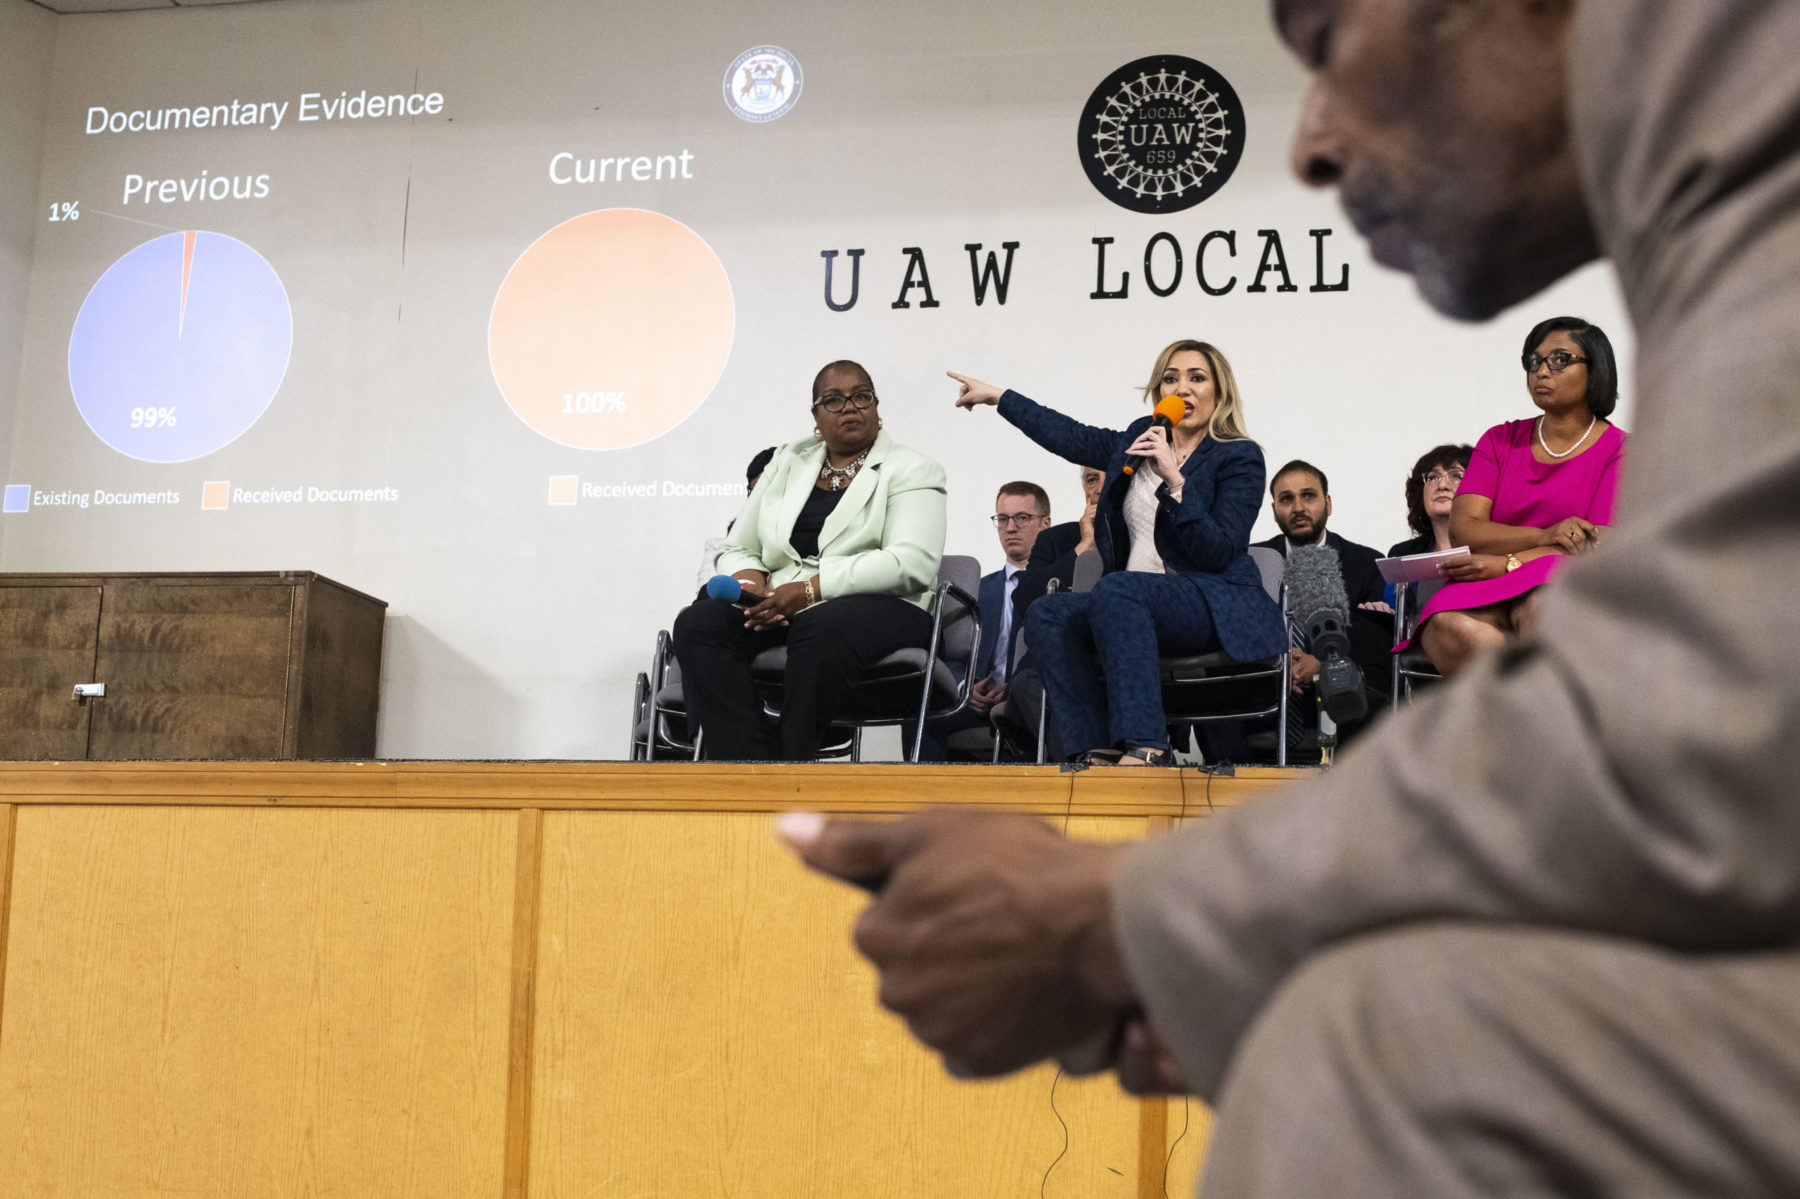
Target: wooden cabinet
[275,665]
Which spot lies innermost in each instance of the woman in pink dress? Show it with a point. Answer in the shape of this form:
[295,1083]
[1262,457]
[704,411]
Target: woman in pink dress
[1535,493]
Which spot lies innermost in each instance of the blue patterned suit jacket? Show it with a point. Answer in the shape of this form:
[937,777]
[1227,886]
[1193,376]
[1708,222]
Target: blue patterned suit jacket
[1204,538]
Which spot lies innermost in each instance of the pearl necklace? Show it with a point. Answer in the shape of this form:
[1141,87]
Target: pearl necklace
[838,476]
[1571,449]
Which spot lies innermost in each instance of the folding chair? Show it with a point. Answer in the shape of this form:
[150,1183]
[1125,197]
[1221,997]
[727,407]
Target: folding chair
[1203,688]
[1412,662]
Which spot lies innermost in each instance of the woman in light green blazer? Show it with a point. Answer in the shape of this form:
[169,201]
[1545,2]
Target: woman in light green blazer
[839,545]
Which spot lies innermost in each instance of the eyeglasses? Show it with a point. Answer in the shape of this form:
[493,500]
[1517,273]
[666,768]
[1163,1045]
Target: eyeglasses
[1019,521]
[1557,360]
[1438,477]
[835,403]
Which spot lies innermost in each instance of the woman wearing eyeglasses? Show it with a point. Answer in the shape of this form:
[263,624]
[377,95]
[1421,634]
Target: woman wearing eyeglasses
[1172,527]
[1430,490]
[839,542]
[1535,493]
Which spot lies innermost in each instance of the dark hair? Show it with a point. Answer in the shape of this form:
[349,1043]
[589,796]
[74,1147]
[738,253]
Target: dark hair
[840,364]
[1293,466]
[1037,494]
[1596,347]
[758,465]
[1436,456]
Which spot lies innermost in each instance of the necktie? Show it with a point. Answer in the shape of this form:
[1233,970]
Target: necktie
[1003,644]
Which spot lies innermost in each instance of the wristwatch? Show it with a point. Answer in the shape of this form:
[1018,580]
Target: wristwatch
[1512,563]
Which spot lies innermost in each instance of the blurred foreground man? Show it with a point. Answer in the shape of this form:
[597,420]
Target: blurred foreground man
[1538,935]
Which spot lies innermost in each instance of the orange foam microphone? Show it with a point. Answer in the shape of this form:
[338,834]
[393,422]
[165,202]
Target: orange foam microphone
[1169,413]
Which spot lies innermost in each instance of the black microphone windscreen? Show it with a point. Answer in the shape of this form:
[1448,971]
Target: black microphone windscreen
[1315,582]
[1318,602]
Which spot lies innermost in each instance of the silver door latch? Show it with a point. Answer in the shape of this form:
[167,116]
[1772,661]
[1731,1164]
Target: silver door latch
[90,690]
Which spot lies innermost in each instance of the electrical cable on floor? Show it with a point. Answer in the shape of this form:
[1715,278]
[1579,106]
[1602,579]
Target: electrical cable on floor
[1065,1127]
[1169,1160]
[1068,813]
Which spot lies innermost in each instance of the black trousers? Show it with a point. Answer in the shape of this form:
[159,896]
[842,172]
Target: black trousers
[829,646]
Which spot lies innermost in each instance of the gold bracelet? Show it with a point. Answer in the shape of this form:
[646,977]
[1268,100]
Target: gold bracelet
[811,598]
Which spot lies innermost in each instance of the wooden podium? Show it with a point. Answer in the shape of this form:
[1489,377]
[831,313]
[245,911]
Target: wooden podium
[487,979]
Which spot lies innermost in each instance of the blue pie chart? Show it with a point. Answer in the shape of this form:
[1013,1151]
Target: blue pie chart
[180,346]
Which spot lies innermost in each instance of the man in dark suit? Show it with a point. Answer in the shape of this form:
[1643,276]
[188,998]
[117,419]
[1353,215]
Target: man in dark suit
[1300,501]
[1053,554]
[1021,512]
[1052,557]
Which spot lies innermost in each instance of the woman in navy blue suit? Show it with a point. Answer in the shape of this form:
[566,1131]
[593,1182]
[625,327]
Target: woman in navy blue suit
[1173,538]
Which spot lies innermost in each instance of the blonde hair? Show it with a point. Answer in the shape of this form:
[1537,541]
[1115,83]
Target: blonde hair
[1227,423]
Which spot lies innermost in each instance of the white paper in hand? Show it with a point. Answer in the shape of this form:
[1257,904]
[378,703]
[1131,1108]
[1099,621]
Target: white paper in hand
[1416,568]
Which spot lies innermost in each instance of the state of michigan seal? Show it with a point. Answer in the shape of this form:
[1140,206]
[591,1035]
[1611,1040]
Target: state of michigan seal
[762,84]
[1161,134]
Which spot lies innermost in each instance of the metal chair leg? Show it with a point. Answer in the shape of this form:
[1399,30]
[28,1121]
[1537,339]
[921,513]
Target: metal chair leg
[1287,666]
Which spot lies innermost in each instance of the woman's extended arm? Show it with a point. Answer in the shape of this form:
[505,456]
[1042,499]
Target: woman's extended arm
[1084,445]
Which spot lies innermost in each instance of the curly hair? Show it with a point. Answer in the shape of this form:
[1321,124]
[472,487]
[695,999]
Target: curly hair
[1436,456]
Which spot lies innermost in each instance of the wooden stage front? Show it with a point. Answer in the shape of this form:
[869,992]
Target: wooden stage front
[452,979]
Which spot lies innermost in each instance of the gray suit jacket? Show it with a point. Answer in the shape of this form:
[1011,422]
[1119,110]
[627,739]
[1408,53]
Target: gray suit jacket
[1637,771]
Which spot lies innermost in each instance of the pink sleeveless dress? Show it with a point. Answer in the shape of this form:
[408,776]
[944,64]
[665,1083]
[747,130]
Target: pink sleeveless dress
[1532,493]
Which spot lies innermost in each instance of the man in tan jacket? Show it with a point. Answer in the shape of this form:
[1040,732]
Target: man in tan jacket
[1540,934]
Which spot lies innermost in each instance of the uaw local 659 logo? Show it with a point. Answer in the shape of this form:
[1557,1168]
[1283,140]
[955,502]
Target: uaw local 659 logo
[762,84]
[1161,134]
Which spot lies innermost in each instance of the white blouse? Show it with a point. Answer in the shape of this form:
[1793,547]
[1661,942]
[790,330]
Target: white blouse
[1140,521]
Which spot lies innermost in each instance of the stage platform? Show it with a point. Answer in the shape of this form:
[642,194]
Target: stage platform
[457,979]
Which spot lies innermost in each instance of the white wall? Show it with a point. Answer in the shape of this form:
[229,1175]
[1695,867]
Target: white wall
[27,37]
[515,627]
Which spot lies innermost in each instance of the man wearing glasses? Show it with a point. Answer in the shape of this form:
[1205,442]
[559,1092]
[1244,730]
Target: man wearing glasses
[1021,512]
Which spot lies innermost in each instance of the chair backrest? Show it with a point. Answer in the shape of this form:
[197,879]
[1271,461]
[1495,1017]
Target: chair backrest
[1088,569]
[959,623]
[1273,567]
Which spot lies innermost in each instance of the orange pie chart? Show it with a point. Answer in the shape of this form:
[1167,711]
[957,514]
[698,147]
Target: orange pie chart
[611,329]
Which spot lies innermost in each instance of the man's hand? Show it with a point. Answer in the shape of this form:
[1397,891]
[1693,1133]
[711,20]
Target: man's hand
[985,694]
[1304,670]
[992,932]
[1147,1066]
[1087,528]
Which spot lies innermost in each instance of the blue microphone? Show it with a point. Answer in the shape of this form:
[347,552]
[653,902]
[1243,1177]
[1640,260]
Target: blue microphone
[724,587]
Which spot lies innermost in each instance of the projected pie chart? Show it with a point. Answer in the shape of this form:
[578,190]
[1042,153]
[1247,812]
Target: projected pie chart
[611,329]
[180,346]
